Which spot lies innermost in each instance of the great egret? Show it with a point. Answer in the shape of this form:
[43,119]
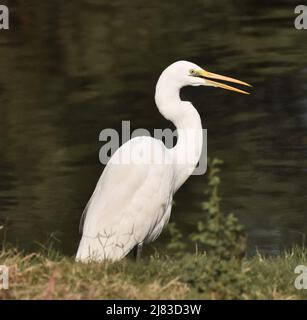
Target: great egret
[132,201]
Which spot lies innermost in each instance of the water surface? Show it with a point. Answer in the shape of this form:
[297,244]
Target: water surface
[69,70]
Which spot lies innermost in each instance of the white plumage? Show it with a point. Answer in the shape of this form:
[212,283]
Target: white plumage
[132,200]
[130,205]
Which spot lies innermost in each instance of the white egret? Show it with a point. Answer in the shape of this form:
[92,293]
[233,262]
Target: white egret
[132,201]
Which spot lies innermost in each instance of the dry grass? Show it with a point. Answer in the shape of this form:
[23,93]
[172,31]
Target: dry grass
[35,276]
[45,276]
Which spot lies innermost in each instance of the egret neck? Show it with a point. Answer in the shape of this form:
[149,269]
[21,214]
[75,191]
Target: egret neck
[187,121]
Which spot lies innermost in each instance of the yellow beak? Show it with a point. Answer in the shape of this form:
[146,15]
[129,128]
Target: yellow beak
[210,75]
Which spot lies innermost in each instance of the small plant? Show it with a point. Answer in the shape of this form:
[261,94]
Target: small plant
[219,234]
[214,278]
[176,244]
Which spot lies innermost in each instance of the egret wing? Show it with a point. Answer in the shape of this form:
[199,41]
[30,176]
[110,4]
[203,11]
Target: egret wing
[130,204]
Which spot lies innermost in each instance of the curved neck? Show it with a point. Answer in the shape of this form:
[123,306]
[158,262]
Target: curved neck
[185,117]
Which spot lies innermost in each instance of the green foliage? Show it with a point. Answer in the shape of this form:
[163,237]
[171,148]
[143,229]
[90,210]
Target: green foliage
[218,234]
[176,244]
[214,278]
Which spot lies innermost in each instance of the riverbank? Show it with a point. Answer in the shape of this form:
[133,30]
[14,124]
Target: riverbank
[52,276]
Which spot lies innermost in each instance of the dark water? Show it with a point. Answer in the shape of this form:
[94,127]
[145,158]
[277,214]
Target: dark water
[70,69]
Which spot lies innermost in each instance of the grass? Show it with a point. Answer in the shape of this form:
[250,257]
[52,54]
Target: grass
[51,276]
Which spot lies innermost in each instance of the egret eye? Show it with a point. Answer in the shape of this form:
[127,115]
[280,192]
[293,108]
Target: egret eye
[193,72]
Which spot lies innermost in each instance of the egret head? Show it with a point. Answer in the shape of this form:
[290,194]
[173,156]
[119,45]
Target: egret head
[185,73]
